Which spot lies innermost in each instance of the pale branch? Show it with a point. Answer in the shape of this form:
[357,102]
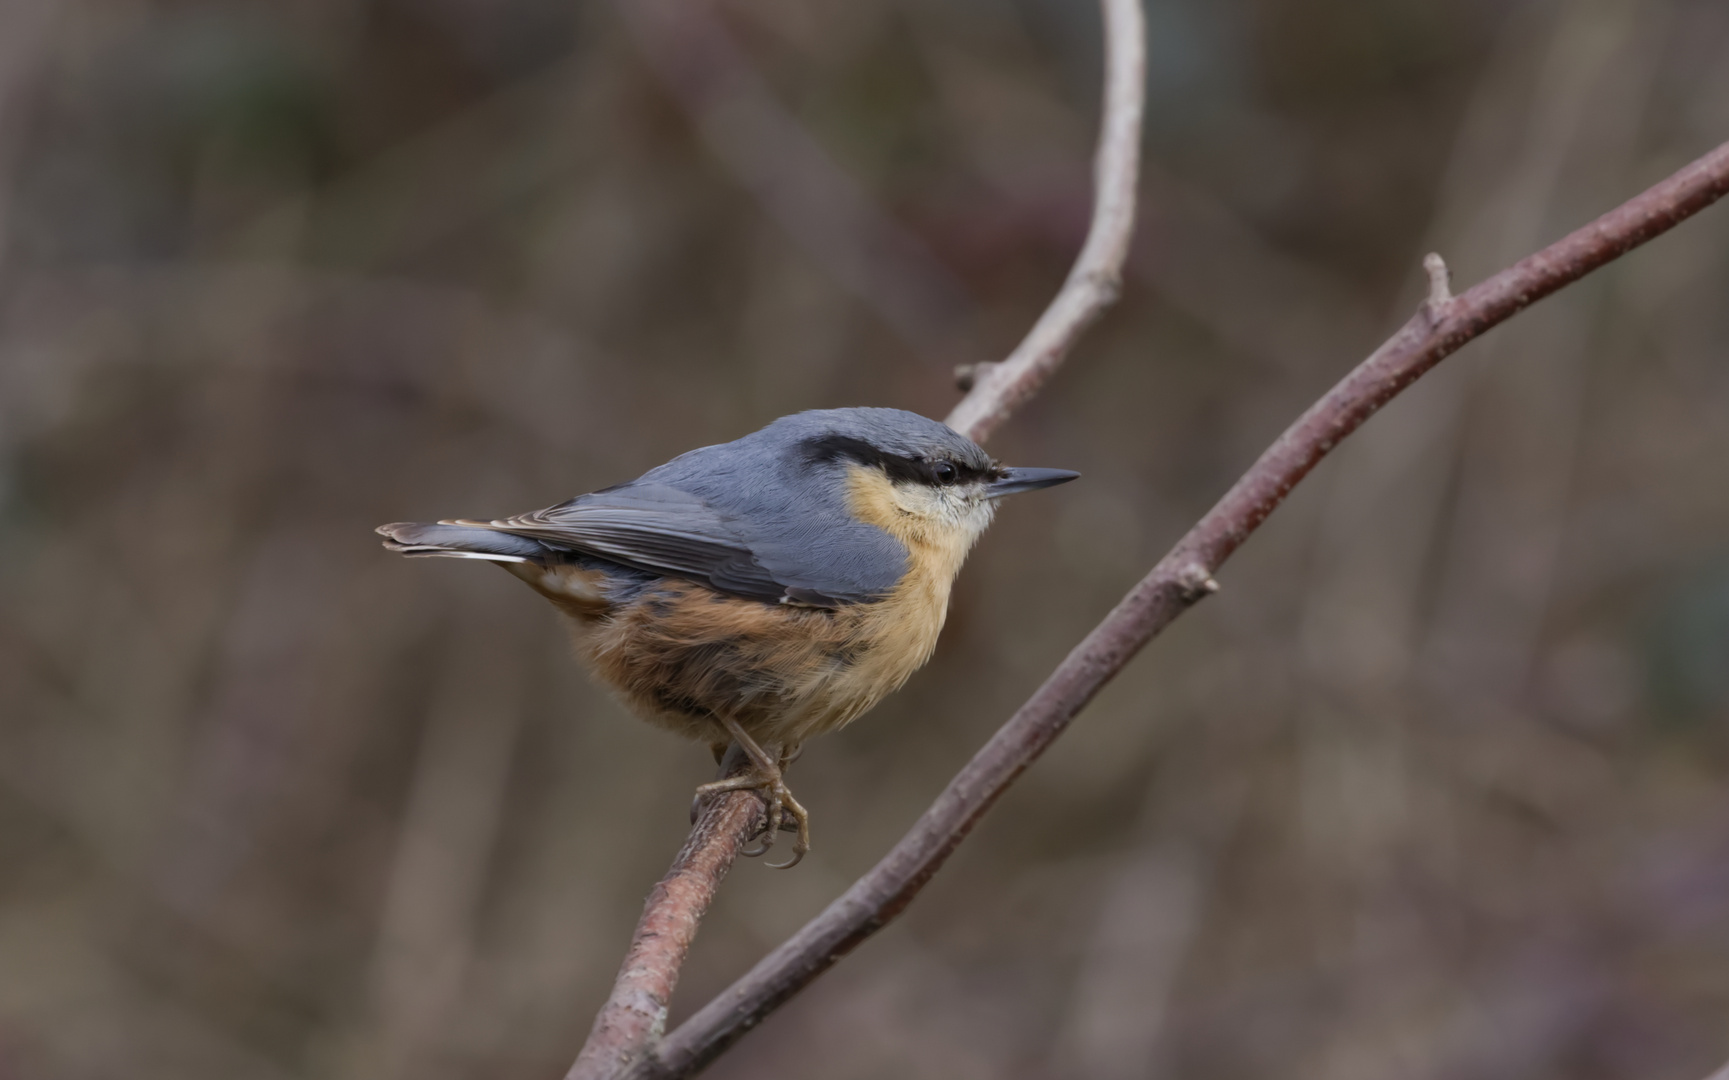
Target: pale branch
[1440,281]
[1441,326]
[634,1015]
[995,390]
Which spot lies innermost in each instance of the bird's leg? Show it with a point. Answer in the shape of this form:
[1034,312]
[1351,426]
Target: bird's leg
[766,776]
[767,772]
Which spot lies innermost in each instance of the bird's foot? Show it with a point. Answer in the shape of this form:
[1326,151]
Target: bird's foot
[784,811]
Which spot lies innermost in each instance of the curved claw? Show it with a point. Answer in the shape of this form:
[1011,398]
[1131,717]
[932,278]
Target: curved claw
[784,812]
[801,817]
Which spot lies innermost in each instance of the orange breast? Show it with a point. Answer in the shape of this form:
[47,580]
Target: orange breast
[680,654]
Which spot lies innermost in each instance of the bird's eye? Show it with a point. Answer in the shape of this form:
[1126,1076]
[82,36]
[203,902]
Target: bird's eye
[944,472]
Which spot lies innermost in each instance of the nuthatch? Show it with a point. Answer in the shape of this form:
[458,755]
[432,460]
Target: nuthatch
[763,590]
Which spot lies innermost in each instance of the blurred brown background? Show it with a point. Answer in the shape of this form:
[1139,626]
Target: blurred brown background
[1434,789]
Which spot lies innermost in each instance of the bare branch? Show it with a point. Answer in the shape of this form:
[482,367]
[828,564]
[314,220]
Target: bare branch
[1174,585]
[996,390]
[635,1013]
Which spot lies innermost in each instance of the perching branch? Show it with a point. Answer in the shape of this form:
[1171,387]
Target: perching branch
[634,1015]
[1441,325]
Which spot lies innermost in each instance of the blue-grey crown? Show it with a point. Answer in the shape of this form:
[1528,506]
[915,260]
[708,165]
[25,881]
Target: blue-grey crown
[891,438]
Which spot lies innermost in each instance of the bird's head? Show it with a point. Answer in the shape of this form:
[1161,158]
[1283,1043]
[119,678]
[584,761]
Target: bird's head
[920,480]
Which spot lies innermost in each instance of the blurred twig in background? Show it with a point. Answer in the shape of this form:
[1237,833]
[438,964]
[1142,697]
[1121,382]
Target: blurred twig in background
[792,177]
[25,27]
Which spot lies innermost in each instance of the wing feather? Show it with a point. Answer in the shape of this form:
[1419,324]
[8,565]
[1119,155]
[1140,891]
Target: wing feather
[656,528]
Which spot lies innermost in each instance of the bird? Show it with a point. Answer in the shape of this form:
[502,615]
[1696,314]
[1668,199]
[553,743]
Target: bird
[761,591]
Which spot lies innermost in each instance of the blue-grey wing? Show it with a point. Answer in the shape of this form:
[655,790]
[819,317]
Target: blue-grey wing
[651,527]
[665,530]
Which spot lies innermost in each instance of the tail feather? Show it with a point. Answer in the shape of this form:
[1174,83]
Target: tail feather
[460,542]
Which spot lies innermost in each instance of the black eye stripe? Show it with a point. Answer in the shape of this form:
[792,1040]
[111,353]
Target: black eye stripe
[898,468]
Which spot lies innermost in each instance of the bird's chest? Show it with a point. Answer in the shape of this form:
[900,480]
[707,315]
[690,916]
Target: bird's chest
[899,632]
[903,626]
[682,654]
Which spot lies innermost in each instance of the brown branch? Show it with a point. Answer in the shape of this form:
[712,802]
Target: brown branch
[634,1015]
[996,390]
[1441,325]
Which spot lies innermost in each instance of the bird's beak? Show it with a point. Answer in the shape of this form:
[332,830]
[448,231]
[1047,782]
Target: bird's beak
[1015,481]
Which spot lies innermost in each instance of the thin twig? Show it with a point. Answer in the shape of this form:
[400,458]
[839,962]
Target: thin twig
[1174,585]
[997,390]
[629,1023]
[635,1014]
[25,31]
